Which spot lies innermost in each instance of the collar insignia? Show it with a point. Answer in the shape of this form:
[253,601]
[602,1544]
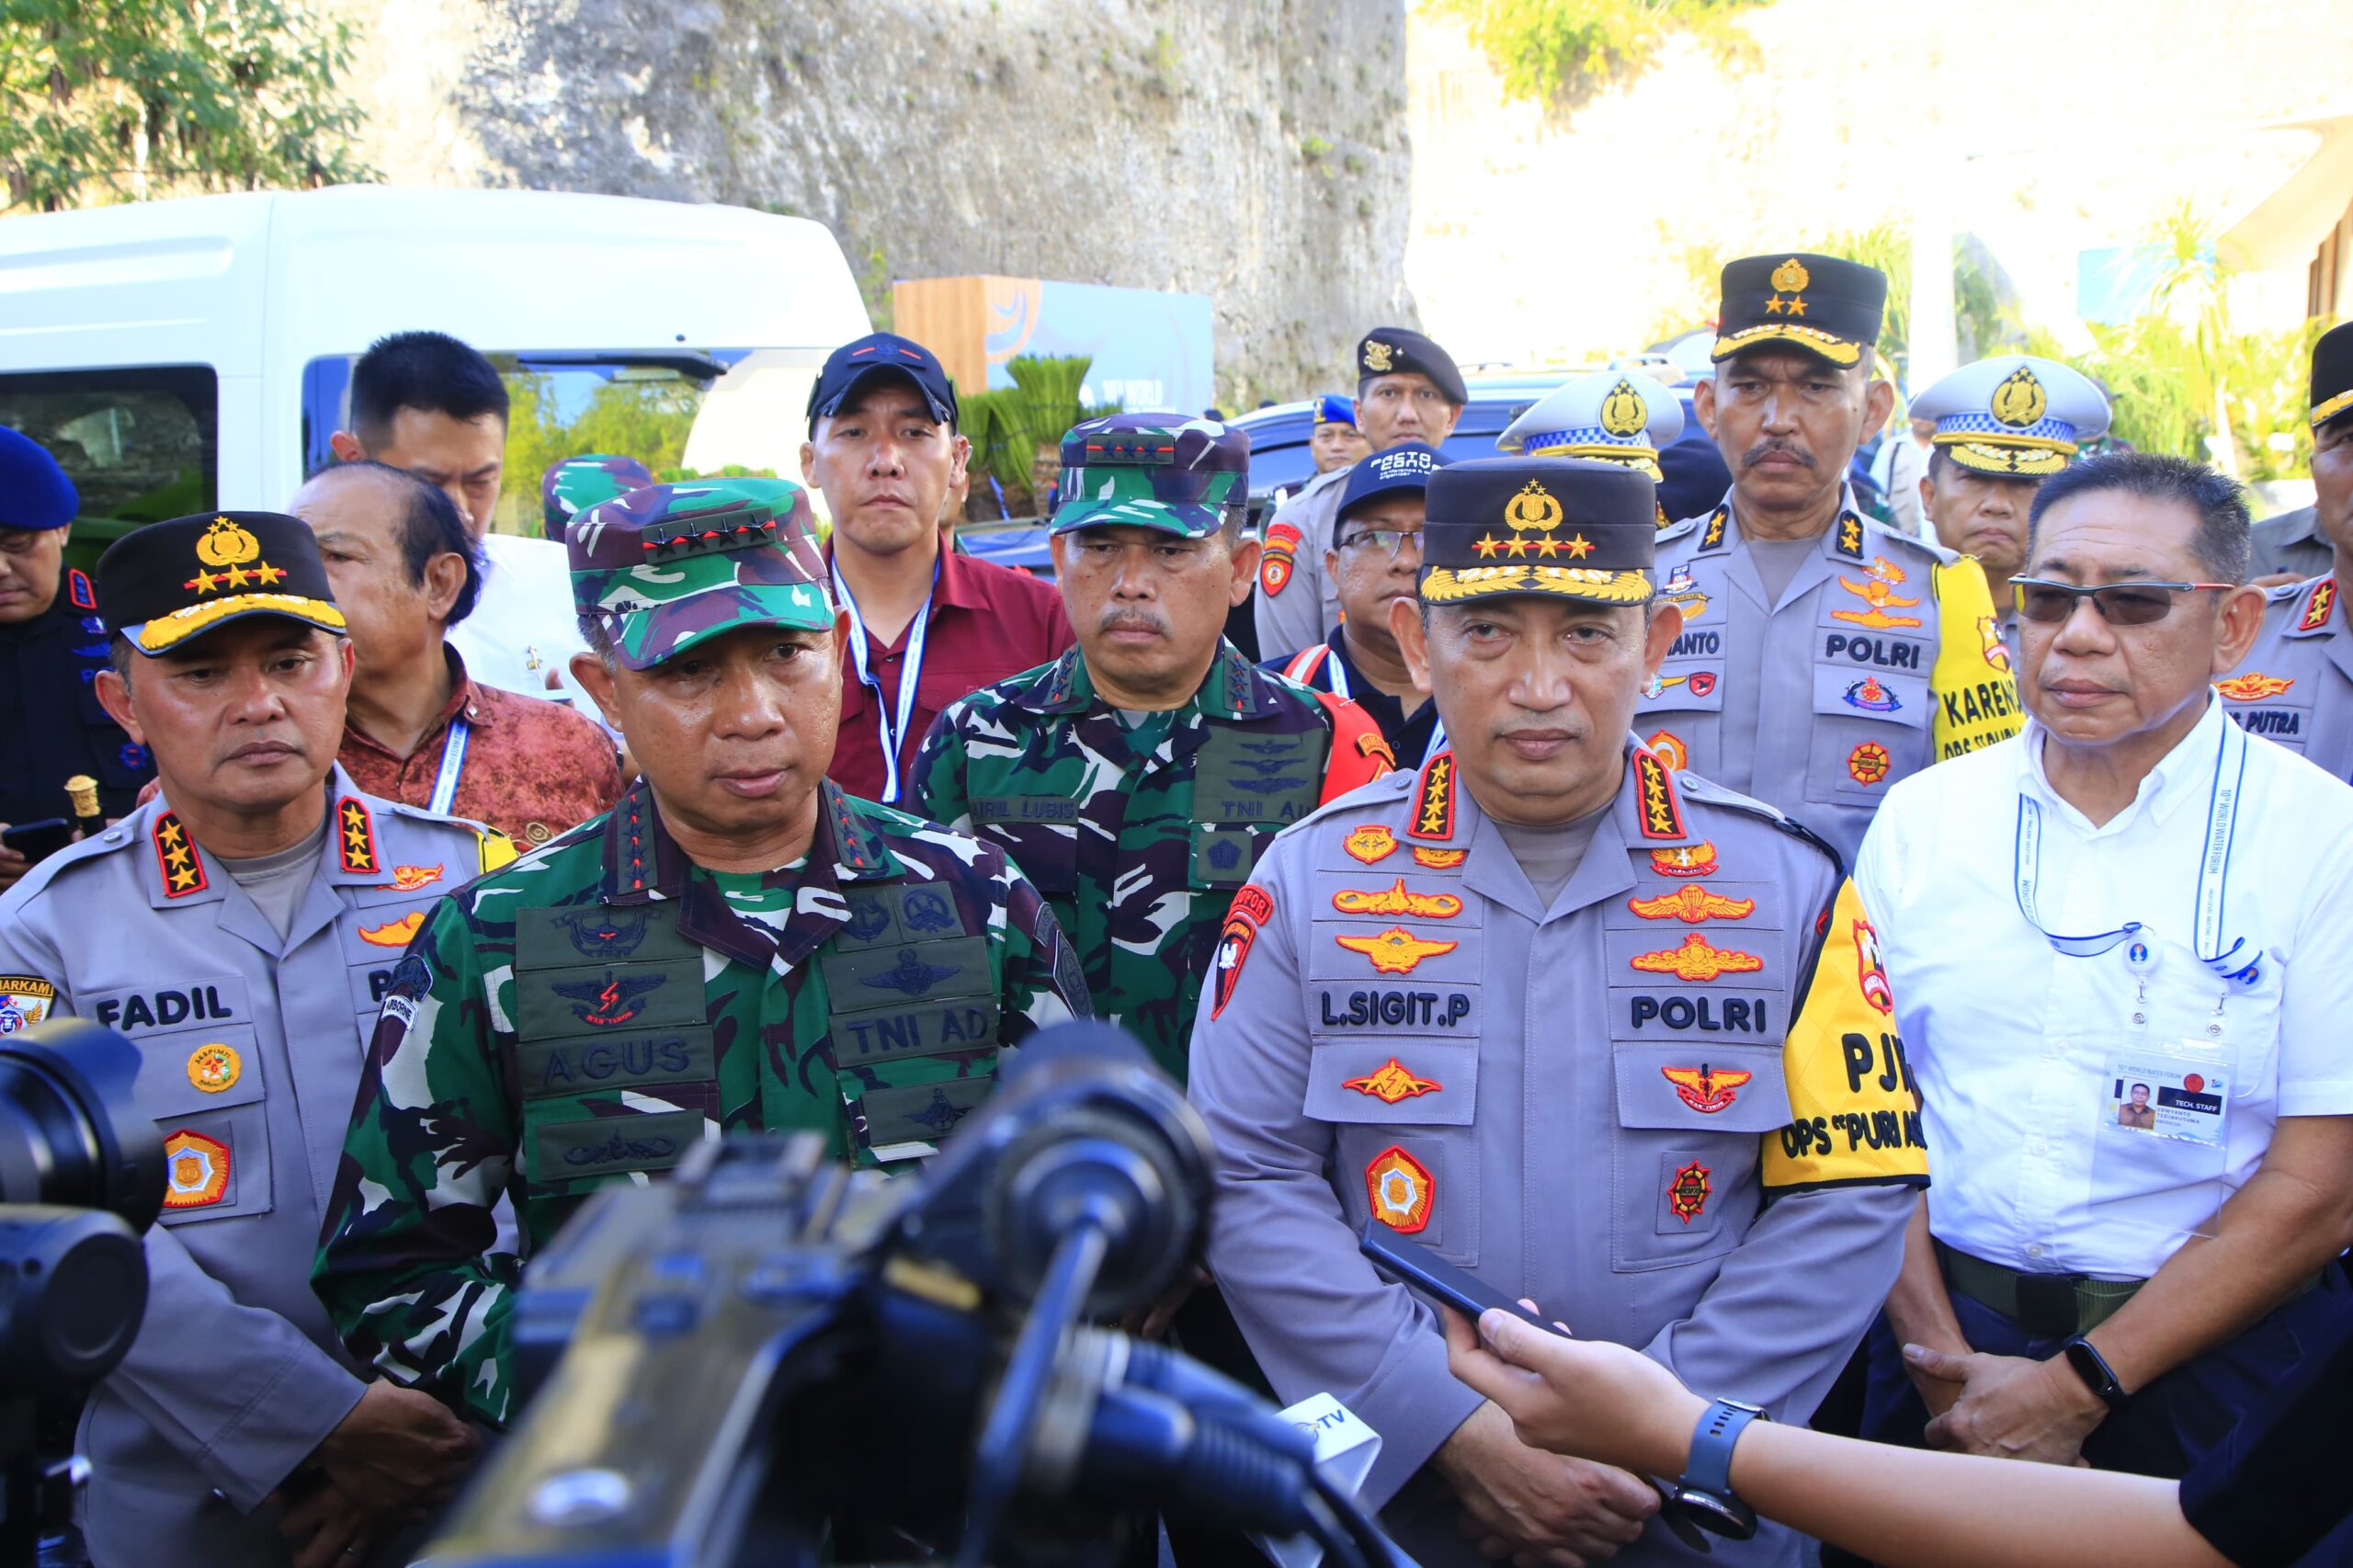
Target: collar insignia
[356,840]
[183,868]
[1662,812]
[1434,800]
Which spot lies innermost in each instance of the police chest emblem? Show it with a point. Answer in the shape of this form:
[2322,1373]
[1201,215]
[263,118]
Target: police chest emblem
[24,1000]
[1395,950]
[1686,861]
[1868,763]
[1704,1089]
[1692,905]
[213,1068]
[1439,860]
[196,1168]
[1370,843]
[1397,900]
[1399,1188]
[1688,1192]
[1878,590]
[1872,696]
[411,878]
[601,933]
[1392,1081]
[393,933]
[1696,960]
[2253,687]
[912,976]
[609,1002]
[1668,747]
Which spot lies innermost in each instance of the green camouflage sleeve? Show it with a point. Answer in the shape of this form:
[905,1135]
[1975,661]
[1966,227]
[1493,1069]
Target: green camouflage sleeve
[939,773]
[1042,983]
[405,1266]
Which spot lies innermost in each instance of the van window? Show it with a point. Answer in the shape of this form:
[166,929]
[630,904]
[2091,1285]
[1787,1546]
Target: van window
[141,443]
[683,414]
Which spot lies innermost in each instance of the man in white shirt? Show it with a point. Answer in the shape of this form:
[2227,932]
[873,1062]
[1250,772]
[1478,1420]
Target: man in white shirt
[2175,910]
[429,403]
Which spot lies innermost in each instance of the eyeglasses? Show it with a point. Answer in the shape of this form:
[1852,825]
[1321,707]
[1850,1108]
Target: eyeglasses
[2119,604]
[1385,542]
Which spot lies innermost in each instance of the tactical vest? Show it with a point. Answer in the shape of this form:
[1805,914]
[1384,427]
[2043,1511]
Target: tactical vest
[616,1061]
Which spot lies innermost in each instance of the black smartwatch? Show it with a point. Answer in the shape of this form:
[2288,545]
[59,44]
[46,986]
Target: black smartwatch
[1703,1495]
[2093,1367]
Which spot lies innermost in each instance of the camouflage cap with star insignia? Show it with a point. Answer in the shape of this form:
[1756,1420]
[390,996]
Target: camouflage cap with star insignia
[572,486]
[161,585]
[1619,416]
[1568,527]
[2014,415]
[1153,470]
[668,566]
[1820,303]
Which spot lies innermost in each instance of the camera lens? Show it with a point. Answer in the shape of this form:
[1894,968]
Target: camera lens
[70,1129]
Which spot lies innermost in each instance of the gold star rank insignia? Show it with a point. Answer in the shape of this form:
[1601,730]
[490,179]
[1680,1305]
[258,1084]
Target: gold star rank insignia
[358,837]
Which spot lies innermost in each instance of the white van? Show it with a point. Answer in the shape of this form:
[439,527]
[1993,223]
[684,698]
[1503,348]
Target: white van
[180,356]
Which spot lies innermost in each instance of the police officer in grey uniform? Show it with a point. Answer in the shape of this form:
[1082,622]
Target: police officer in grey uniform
[240,930]
[2296,685]
[1407,389]
[1824,656]
[1604,1035]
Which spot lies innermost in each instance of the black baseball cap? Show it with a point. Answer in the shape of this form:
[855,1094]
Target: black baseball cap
[852,364]
[161,585]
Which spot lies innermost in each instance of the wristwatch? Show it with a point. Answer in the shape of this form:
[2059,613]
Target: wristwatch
[1702,1496]
[2093,1367]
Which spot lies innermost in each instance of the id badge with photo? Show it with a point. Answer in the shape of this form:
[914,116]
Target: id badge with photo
[2164,1113]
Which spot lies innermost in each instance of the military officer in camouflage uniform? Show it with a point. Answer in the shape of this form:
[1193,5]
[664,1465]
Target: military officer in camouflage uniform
[2296,685]
[1604,1034]
[737,944]
[1137,779]
[1824,656]
[1407,389]
[241,931]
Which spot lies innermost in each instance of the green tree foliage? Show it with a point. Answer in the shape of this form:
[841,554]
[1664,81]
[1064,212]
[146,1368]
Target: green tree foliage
[1017,431]
[1561,53]
[646,416]
[112,100]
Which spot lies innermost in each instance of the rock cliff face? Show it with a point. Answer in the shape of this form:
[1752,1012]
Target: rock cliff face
[1250,149]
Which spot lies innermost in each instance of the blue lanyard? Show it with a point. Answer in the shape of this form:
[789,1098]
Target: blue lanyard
[2213,877]
[453,762]
[891,726]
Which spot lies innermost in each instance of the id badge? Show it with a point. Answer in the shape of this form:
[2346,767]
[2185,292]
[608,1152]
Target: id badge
[2159,1153]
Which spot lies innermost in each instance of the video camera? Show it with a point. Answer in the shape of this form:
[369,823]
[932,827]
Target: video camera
[771,1359]
[81,1177]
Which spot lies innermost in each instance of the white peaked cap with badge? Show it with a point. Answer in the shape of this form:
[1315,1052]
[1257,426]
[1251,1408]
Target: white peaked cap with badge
[1621,416]
[2014,415]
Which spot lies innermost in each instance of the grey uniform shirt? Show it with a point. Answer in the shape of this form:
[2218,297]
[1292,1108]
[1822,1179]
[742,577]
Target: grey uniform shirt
[250,1046]
[2295,685]
[1305,606]
[1875,654]
[1587,1100]
[2291,542]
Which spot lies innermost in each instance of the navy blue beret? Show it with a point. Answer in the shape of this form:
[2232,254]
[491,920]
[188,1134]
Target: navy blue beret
[34,492]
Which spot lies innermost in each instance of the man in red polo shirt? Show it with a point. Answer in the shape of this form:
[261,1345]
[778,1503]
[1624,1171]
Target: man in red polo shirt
[927,625]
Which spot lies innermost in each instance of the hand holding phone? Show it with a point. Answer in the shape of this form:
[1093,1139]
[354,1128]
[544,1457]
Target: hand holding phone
[1435,1278]
[37,841]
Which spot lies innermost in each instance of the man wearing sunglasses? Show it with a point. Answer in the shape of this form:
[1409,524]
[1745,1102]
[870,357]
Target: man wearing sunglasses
[2171,907]
[2296,686]
[1833,656]
[1376,554]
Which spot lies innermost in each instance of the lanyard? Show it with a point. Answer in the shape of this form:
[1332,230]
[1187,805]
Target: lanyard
[453,762]
[1339,675]
[891,726]
[2213,877]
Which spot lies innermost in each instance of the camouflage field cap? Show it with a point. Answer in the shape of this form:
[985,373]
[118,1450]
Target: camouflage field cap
[670,565]
[572,486]
[1153,470]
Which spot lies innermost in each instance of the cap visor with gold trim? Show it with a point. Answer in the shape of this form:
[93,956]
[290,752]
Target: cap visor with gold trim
[2014,416]
[1615,416]
[162,585]
[670,567]
[1828,307]
[1567,527]
[2333,375]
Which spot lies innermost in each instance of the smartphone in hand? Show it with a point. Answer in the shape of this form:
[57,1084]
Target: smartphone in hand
[1418,1267]
[37,841]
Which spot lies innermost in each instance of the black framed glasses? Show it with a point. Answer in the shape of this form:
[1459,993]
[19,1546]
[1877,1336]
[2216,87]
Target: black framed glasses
[1382,541]
[2119,604]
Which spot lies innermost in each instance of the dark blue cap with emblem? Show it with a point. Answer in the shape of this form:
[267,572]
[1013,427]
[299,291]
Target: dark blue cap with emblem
[1405,467]
[881,354]
[35,494]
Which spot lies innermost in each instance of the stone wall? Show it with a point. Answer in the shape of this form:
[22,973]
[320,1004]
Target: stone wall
[1251,149]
